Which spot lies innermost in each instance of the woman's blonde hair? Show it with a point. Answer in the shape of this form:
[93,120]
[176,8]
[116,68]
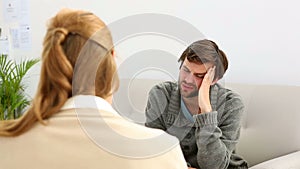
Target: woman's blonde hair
[74,39]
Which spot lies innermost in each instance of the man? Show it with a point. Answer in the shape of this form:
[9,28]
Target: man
[202,114]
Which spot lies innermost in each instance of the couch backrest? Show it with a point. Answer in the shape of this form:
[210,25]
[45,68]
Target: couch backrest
[271,121]
[270,126]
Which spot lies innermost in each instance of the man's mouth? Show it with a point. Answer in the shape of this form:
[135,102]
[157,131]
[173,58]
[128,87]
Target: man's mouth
[185,86]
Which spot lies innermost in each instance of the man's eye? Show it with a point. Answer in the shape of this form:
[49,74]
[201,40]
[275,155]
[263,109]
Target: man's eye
[200,76]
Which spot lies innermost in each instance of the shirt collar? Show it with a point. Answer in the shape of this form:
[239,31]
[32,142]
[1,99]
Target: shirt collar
[185,111]
[88,101]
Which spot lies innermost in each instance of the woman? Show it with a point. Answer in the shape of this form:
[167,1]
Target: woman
[71,123]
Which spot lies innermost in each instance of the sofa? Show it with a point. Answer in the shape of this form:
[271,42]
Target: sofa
[270,135]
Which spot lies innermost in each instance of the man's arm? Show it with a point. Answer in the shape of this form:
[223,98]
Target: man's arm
[156,105]
[215,139]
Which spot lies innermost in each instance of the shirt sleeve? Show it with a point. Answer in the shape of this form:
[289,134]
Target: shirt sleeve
[216,140]
[156,105]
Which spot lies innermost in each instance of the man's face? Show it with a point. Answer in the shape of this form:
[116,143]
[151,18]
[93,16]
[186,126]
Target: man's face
[190,77]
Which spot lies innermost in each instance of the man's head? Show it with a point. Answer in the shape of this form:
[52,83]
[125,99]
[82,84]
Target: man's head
[195,62]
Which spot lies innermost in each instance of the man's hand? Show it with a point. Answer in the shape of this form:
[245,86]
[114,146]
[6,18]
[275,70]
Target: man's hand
[203,95]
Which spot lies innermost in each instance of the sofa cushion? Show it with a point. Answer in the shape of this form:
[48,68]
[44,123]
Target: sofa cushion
[289,161]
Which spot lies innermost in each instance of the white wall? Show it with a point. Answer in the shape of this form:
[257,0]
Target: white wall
[261,38]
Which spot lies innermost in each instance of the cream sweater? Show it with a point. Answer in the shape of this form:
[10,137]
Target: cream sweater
[88,134]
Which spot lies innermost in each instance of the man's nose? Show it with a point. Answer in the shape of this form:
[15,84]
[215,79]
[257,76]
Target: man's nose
[189,78]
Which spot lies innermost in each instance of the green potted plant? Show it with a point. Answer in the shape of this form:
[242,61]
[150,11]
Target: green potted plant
[13,99]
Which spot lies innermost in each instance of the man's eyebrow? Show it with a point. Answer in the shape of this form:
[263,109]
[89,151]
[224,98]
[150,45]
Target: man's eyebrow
[184,66]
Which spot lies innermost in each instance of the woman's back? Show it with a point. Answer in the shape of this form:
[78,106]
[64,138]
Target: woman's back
[86,137]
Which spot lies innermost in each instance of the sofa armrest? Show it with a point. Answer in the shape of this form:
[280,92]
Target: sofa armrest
[289,161]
